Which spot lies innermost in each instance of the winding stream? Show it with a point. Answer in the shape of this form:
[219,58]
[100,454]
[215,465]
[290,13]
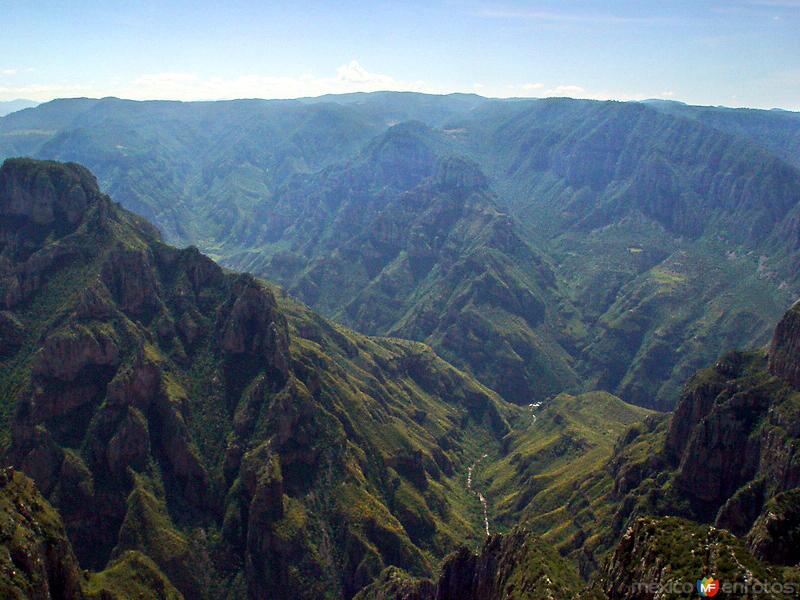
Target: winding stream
[481,497]
[484,503]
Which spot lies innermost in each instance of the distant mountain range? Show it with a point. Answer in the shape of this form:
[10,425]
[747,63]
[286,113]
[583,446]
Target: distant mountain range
[543,245]
[10,106]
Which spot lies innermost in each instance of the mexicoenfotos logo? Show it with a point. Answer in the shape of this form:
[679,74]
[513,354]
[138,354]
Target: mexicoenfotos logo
[707,587]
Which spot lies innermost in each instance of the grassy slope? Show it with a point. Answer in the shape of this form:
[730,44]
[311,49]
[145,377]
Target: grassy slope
[553,477]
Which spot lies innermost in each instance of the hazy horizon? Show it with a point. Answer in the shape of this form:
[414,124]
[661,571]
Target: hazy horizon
[743,53]
[510,98]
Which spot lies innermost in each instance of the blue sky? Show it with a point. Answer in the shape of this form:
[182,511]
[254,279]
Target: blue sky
[730,52]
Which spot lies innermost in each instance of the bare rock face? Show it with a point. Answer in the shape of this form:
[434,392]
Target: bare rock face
[250,324]
[40,202]
[94,303]
[694,405]
[45,192]
[721,455]
[635,559]
[784,351]
[130,277]
[728,435]
[38,456]
[663,557]
[517,565]
[263,484]
[67,352]
[130,444]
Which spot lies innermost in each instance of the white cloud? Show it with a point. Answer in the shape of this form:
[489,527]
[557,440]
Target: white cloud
[8,72]
[567,90]
[354,74]
[350,77]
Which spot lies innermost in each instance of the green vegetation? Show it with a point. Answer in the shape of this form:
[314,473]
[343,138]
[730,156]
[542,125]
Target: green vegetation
[581,245]
[687,552]
[206,423]
[133,575]
[202,433]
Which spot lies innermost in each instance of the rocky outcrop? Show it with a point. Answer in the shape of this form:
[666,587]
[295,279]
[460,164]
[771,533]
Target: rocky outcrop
[664,557]
[775,536]
[694,405]
[727,441]
[784,351]
[266,558]
[46,192]
[721,455]
[41,203]
[729,458]
[518,565]
[249,324]
[36,559]
[130,444]
[395,584]
[67,352]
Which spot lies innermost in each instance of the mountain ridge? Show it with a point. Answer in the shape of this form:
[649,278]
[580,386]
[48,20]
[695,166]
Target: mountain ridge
[613,197]
[168,408]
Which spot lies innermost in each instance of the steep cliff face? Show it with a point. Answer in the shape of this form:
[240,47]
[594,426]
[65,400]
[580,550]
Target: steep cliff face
[734,440]
[518,565]
[784,351]
[728,457]
[50,199]
[44,207]
[201,422]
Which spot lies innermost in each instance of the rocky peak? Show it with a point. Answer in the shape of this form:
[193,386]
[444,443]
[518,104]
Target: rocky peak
[40,203]
[46,193]
[458,173]
[403,155]
[784,351]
